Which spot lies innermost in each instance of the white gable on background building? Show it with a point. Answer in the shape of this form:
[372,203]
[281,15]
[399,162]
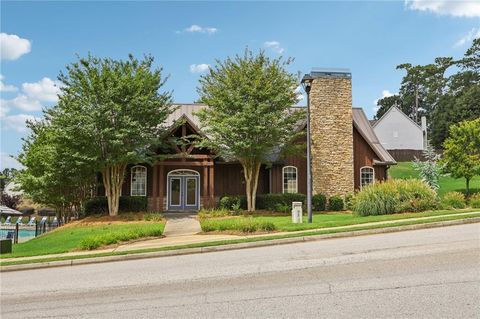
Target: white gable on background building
[396,131]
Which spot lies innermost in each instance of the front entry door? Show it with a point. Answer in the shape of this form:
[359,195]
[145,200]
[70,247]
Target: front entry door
[183,193]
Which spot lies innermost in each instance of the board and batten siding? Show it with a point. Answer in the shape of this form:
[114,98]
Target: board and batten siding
[397,132]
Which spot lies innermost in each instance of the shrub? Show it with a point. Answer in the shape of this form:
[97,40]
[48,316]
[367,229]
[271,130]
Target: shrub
[232,202]
[453,200]
[99,205]
[336,203]
[394,196]
[274,202]
[474,200]
[319,202]
[349,201]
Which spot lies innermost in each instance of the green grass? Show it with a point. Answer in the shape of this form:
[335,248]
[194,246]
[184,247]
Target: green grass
[404,170]
[68,238]
[284,223]
[243,240]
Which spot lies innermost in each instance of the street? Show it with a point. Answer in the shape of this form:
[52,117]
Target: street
[431,273]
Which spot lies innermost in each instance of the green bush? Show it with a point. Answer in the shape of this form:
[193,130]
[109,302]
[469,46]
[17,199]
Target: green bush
[474,200]
[453,200]
[278,202]
[99,205]
[244,225]
[319,202]
[234,201]
[394,196]
[336,203]
[349,201]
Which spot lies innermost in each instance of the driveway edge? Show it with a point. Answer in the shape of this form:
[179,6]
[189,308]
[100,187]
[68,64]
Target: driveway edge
[262,243]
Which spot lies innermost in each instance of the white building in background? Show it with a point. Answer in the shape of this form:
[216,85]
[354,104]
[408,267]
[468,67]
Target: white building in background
[396,131]
[11,189]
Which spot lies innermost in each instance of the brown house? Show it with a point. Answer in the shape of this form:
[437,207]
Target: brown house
[346,155]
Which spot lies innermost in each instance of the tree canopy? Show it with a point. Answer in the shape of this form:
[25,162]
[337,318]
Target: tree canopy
[249,114]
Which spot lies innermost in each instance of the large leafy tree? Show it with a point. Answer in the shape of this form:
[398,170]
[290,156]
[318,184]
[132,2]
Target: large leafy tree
[462,151]
[52,176]
[249,115]
[110,114]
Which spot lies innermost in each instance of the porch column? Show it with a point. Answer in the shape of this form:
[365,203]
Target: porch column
[155,187]
[211,184]
[205,186]
[161,187]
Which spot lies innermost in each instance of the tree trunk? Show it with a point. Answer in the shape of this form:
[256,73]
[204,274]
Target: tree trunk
[113,177]
[251,171]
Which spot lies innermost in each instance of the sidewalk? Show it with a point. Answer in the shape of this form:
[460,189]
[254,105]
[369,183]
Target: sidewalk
[185,237]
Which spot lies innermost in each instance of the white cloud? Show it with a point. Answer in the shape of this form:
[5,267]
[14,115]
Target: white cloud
[446,7]
[6,87]
[12,46]
[194,28]
[3,108]
[300,93]
[43,90]
[467,38]
[199,68]
[6,161]
[385,93]
[23,102]
[274,45]
[17,122]
[34,95]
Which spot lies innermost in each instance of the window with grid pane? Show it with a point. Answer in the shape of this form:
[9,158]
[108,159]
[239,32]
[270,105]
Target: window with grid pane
[139,181]
[367,176]
[290,179]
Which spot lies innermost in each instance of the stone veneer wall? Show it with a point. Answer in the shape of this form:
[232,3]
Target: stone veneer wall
[332,135]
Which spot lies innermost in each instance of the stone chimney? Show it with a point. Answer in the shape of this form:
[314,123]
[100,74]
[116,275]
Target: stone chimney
[331,132]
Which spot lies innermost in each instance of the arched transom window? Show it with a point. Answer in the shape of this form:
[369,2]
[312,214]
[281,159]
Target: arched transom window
[138,181]
[367,176]
[290,179]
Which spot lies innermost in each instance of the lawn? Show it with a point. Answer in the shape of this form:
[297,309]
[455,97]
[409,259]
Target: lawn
[405,170]
[81,236]
[320,220]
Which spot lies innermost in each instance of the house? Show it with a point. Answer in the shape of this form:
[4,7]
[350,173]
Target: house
[346,155]
[400,135]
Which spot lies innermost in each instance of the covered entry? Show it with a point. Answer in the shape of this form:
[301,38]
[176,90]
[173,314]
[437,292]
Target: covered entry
[183,191]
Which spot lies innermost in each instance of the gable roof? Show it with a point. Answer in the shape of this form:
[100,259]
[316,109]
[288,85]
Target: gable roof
[363,126]
[360,121]
[393,107]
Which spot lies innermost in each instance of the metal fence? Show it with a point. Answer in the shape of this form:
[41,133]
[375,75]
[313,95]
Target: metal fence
[21,232]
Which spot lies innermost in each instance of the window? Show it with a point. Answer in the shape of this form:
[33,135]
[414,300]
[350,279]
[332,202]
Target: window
[138,181]
[367,176]
[290,179]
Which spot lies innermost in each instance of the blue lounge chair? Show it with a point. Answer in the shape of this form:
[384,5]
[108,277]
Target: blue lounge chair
[31,222]
[43,220]
[8,220]
[55,222]
[10,234]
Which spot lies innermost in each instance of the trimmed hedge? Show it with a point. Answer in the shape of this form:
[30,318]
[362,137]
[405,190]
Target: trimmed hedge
[228,202]
[99,205]
[319,202]
[336,203]
[395,196]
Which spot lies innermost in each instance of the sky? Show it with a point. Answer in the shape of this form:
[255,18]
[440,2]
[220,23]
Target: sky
[38,39]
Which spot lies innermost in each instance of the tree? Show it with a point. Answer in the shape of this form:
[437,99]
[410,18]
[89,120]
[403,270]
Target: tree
[110,114]
[10,201]
[52,176]
[462,151]
[6,176]
[387,102]
[249,98]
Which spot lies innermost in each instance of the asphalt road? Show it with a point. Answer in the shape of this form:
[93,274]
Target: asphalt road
[432,273]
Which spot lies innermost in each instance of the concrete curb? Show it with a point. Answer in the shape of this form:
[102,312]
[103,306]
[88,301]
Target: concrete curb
[263,243]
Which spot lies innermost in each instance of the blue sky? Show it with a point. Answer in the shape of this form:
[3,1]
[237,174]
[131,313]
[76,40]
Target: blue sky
[369,38]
